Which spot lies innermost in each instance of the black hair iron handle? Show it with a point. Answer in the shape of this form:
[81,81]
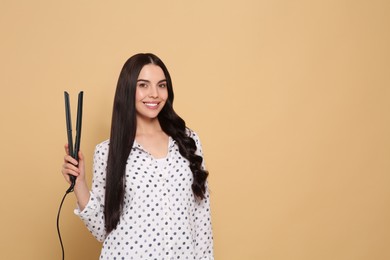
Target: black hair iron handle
[73,149]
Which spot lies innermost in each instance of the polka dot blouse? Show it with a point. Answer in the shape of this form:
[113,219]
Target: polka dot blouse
[161,217]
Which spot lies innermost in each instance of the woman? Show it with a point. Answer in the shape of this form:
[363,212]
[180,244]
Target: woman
[149,196]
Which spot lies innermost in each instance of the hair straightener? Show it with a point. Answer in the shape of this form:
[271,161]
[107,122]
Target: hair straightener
[73,150]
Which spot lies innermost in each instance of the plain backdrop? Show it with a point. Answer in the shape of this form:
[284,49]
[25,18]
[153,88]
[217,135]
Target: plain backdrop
[289,98]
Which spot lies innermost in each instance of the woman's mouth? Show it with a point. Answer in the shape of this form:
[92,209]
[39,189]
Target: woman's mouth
[151,105]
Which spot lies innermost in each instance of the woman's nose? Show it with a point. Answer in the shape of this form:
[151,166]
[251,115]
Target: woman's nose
[153,92]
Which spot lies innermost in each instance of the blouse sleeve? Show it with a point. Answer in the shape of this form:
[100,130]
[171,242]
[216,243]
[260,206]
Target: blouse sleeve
[93,213]
[204,233]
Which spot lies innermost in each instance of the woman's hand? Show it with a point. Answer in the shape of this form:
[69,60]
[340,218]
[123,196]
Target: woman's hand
[72,167]
[77,169]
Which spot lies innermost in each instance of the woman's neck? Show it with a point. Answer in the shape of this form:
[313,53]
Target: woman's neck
[148,126]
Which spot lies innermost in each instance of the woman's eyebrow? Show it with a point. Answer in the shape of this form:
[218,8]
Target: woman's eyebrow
[160,81]
[143,80]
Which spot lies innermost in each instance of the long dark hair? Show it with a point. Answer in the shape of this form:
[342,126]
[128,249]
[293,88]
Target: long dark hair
[123,131]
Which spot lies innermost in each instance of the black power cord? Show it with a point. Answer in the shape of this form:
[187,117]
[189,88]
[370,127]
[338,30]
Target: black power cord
[58,221]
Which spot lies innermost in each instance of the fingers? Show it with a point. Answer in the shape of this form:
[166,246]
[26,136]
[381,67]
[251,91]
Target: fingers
[70,158]
[73,167]
[70,167]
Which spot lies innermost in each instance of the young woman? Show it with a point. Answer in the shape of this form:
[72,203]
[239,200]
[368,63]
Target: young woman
[149,196]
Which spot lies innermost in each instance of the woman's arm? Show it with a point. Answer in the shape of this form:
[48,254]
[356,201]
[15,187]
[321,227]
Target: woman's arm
[90,203]
[204,233]
[203,227]
[93,213]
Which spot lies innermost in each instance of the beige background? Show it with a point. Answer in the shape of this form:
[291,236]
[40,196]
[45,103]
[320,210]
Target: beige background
[290,99]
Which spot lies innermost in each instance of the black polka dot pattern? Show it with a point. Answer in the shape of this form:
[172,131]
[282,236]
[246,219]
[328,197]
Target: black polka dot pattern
[161,217]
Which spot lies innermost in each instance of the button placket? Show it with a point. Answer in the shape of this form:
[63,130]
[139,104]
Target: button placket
[167,210]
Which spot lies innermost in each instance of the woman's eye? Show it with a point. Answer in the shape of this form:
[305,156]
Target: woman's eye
[142,85]
[162,85]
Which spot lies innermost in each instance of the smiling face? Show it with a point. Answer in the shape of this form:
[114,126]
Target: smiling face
[151,92]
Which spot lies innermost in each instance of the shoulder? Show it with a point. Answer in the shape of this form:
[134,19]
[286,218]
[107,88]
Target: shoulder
[103,144]
[102,148]
[191,133]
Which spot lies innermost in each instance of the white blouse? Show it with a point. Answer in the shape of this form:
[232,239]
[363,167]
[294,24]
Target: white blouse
[161,217]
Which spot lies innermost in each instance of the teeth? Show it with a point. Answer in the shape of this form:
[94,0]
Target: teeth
[151,104]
